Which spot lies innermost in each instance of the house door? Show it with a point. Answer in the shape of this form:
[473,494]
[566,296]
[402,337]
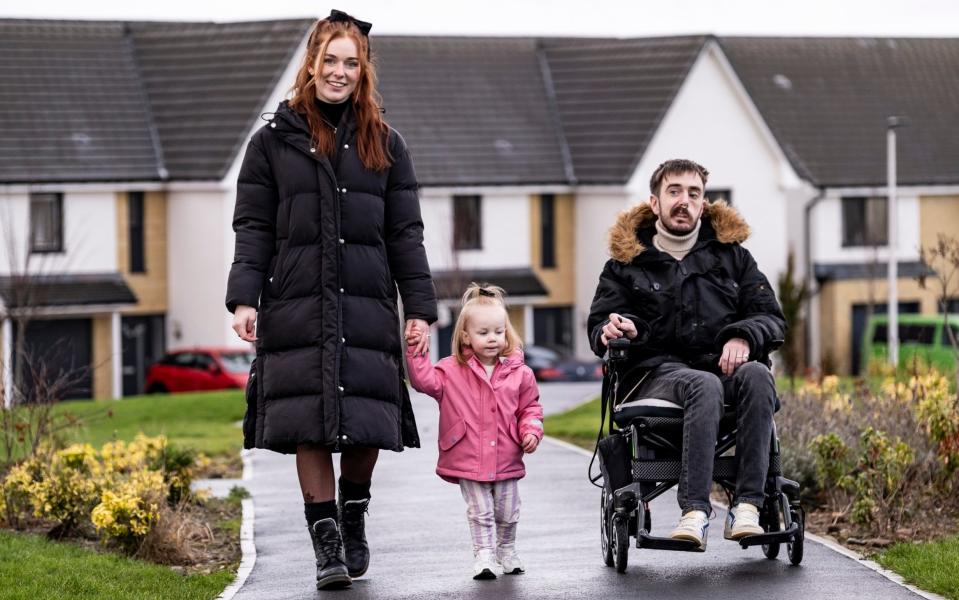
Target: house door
[142,340]
[55,362]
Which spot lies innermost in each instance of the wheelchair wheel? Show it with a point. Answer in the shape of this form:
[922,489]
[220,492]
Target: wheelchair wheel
[620,542]
[605,515]
[770,522]
[794,549]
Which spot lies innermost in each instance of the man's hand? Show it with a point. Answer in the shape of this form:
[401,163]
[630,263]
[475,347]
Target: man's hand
[530,442]
[244,319]
[735,353]
[616,328]
[417,332]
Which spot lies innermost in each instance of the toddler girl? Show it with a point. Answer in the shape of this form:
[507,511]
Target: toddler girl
[489,416]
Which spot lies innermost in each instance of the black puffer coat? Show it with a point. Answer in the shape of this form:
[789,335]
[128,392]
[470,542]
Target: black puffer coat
[321,247]
[686,310]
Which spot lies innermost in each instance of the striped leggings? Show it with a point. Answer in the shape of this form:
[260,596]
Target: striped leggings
[489,503]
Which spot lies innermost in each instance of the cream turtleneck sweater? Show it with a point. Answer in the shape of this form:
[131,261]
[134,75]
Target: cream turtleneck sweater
[677,246]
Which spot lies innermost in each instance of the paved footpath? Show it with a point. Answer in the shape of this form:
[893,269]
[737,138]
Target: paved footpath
[420,542]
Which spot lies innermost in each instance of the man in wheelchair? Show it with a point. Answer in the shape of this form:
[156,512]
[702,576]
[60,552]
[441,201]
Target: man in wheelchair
[702,320]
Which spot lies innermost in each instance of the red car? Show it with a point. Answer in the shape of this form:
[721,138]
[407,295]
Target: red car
[196,369]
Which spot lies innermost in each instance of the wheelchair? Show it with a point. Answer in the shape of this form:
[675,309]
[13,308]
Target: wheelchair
[640,459]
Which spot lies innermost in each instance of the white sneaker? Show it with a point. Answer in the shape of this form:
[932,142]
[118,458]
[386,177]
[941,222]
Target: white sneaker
[510,561]
[483,564]
[741,521]
[693,526]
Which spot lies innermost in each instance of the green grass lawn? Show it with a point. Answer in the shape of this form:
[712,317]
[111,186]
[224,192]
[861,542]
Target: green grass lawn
[577,426]
[32,568]
[932,566]
[205,422]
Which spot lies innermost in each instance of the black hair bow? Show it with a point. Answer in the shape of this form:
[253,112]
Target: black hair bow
[340,16]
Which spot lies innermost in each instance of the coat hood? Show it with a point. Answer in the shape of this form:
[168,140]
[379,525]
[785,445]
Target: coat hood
[624,244]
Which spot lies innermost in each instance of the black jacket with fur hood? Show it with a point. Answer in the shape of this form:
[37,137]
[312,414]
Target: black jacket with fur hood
[686,310]
[322,244]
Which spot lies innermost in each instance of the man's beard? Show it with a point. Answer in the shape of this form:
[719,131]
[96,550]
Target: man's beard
[677,212]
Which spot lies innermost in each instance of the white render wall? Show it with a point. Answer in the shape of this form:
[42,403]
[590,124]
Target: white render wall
[198,266]
[826,231]
[711,122]
[596,210]
[505,229]
[89,234]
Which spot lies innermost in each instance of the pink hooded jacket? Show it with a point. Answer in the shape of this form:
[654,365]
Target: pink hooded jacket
[482,420]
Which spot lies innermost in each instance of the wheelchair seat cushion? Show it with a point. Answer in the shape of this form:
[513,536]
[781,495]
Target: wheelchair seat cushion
[625,412]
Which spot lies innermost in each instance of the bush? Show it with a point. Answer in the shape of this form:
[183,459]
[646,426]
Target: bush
[874,452]
[118,492]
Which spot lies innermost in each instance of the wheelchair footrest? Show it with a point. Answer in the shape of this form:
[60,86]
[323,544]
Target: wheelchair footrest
[644,540]
[773,537]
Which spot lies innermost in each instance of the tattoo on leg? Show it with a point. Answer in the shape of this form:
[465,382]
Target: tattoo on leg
[307,497]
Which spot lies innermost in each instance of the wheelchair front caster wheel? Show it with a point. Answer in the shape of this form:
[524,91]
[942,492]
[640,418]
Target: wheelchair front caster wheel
[620,535]
[794,549]
[605,527]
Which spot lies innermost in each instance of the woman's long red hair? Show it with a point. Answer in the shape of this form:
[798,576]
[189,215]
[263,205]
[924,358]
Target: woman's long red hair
[371,130]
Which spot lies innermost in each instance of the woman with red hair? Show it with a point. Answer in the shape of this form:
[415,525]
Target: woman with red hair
[328,227]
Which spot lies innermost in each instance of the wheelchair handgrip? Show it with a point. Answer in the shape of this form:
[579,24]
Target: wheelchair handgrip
[618,348]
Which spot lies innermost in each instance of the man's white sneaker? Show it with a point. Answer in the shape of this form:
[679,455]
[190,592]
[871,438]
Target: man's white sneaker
[741,521]
[693,526]
[510,561]
[483,565]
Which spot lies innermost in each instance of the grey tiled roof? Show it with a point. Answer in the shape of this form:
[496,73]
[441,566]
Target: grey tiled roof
[113,101]
[71,104]
[207,83]
[612,96]
[826,101]
[472,110]
[515,282]
[65,290]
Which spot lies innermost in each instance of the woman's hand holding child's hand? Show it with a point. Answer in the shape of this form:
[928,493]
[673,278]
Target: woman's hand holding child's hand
[418,336]
[530,442]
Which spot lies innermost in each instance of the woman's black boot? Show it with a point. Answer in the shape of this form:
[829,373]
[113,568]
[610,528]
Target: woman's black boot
[331,570]
[353,521]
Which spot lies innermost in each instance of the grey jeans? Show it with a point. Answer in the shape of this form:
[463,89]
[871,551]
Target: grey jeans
[752,390]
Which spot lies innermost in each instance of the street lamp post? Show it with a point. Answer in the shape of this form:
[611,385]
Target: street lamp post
[892,221]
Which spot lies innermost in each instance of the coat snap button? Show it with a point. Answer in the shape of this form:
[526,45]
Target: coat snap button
[342,340]
[313,150]
[493,443]
[272,124]
[346,145]
[343,190]
[340,388]
[656,286]
[342,241]
[341,290]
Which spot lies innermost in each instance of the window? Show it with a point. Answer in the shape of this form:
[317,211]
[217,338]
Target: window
[952,306]
[714,195]
[547,237]
[864,221]
[135,218]
[917,334]
[46,223]
[467,218]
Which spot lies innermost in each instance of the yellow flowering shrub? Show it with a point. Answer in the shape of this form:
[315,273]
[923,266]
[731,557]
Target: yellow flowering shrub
[119,490]
[127,512]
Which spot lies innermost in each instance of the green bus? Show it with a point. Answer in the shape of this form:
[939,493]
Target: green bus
[922,338]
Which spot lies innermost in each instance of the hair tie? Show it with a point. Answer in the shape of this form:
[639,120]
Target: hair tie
[342,17]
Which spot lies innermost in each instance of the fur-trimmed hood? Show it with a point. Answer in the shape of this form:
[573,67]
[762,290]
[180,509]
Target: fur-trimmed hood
[624,244]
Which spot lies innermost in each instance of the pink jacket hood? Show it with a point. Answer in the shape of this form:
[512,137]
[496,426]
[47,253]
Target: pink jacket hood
[482,420]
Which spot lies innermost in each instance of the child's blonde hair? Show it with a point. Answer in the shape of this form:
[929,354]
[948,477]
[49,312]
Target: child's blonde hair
[482,295]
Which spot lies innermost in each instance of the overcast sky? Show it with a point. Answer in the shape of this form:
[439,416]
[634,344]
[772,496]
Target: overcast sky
[621,18]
